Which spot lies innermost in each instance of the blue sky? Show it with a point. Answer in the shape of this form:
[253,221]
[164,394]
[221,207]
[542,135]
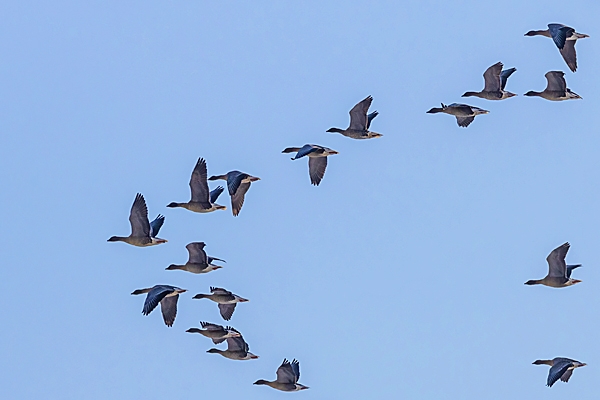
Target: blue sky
[400,276]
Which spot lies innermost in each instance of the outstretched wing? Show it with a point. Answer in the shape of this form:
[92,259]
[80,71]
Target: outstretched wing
[218,290]
[306,150]
[211,327]
[504,76]
[156,225]
[214,195]
[569,55]
[556,81]
[370,118]
[155,296]
[227,310]
[316,169]
[570,269]
[138,217]
[285,373]
[560,33]
[358,114]
[237,199]
[491,77]
[234,180]
[197,253]
[557,267]
[168,306]
[237,344]
[464,121]
[567,375]
[199,184]
[296,368]
[557,371]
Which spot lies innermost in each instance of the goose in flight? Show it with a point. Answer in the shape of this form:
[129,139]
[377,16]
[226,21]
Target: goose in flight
[202,201]
[215,332]
[464,113]
[564,38]
[167,296]
[287,377]
[359,122]
[560,368]
[238,183]
[317,159]
[559,273]
[556,89]
[143,232]
[198,261]
[237,348]
[495,81]
[226,300]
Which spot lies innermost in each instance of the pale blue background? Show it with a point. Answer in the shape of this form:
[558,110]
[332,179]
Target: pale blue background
[400,277]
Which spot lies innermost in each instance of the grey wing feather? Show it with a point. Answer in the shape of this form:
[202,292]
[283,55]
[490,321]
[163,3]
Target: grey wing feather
[237,344]
[227,310]
[156,225]
[138,217]
[199,183]
[370,118]
[504,76]
[237,199]
[567,375]
[557,267]
[168,306]
[556,81]
[285,373]
[358,114]
[464,121]
[316,169]
[197,253]
[557,371]
[214,194]
[491,77]
[211,259]
[154,297]
[569,55]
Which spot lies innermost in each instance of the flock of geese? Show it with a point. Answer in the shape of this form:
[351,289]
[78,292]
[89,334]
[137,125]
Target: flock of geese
[144,233]
[495,78]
